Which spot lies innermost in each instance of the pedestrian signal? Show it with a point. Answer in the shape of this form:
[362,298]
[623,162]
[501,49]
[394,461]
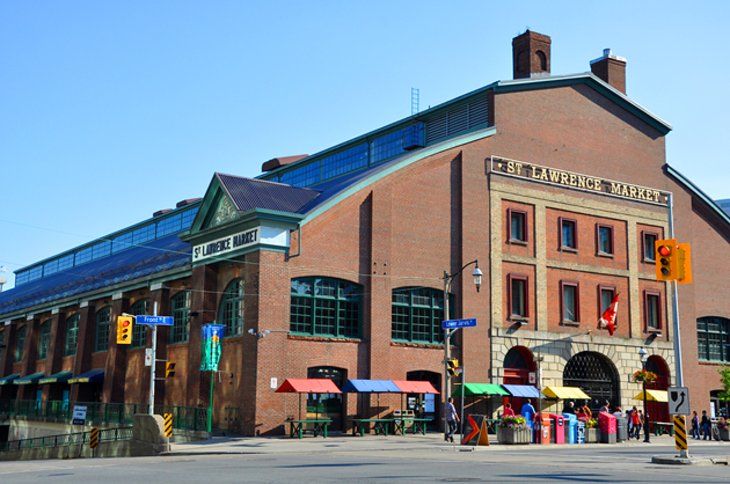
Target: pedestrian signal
[453,368]
[169,369]
[666,258]
[124,330]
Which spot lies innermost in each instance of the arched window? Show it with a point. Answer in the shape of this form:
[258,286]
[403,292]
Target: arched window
[542,59]
[713,339]
[20,343]
[72,335]
[141,307]
[325,307]
[44,339]
[103,320]
[230,311]
[417,313]
[180,309]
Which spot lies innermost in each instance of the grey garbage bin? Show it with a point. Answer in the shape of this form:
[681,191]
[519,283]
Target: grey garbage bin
[622,429]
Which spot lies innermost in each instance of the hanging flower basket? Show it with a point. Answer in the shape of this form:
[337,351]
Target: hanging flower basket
[641,376]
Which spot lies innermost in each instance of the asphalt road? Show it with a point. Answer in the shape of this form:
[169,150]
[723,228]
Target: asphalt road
[532,464]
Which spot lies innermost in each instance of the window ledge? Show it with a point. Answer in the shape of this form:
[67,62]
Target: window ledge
[570,323]
[569,250]
[607,255]
[517,242]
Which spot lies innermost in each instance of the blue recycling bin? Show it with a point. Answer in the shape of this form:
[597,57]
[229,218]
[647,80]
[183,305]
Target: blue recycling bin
[571,428]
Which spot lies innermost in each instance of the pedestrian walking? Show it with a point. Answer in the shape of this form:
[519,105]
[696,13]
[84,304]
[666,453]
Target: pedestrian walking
[695,425]
[635,430]
[705,426]
[452,419]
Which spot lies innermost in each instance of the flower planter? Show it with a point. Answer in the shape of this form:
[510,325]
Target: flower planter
[591,436]
[514,435]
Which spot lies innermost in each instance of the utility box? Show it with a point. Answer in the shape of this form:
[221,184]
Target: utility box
[607,428]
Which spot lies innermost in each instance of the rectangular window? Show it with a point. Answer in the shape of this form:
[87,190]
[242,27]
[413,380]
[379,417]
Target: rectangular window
[605,297]
[604,239]
[517,297]
[570,304]
[652,311]
[568,238]
[648,240]
[517,226]
[713,339]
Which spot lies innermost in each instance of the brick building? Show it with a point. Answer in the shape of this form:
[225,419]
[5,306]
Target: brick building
[331,265]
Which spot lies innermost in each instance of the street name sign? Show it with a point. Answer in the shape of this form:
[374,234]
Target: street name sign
[154,320]
[678,401]
[458,323]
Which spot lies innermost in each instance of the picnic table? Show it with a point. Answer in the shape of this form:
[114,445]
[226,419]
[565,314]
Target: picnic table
[415,424]
[362,425]
[663,427]
[315,425]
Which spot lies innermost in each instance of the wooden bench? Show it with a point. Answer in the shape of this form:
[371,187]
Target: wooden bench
[316,426]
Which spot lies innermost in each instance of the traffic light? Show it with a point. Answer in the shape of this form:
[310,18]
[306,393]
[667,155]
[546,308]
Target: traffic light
[169,369]
[452,366]
[666,258]
[684,264]
[124,330]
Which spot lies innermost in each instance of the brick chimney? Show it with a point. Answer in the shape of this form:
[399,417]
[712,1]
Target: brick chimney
[530,55]
[611,68]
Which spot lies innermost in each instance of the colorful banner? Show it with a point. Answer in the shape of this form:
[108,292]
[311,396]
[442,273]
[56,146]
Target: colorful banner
[212,335]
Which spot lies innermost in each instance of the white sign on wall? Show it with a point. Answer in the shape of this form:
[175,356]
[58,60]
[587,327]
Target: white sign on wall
[262,235]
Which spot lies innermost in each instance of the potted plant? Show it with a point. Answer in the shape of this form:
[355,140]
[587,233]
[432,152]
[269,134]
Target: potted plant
[591,436]
[514,430]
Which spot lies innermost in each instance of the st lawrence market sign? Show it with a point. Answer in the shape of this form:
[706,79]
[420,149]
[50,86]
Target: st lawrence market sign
[231,243]
[577,181]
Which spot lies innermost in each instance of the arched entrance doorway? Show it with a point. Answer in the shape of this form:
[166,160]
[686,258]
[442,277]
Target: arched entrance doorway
[595,374]
[658,411]
[328,405]
[519,369]
[425,406]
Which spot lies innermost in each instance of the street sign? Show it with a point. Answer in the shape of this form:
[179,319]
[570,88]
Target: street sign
[458,323]
[79,415]
[678,401]
[154,320]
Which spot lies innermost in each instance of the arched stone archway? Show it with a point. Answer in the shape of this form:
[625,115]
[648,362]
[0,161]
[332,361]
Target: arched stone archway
[596,375]
[518,363]
[658,411]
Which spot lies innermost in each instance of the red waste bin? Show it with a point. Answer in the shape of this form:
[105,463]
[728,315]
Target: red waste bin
[557,434]
[607,428]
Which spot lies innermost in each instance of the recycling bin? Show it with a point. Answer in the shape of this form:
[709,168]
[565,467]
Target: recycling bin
[607,428]
[622,429]
[571,428]
[557,428]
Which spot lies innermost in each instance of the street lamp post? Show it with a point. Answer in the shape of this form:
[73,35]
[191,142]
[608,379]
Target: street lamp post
[644,355]
[448,280]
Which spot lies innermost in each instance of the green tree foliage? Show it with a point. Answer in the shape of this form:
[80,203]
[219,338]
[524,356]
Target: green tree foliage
[724,372]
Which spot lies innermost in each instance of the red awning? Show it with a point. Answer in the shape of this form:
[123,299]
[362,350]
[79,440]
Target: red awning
[407,386]
[308,385]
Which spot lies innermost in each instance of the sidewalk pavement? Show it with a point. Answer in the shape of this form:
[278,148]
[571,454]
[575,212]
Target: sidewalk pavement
[345,442]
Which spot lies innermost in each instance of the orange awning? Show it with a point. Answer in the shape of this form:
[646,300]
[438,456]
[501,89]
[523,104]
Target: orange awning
[308,385]
[407,386]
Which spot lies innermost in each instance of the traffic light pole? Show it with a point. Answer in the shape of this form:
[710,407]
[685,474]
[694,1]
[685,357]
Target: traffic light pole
[151,404]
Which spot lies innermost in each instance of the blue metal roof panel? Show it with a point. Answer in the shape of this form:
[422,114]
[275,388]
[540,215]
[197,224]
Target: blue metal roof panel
[249,193]
[523,391]
[149,258]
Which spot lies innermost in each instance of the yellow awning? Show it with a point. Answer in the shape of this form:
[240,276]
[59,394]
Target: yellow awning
[565,393]
[653,396]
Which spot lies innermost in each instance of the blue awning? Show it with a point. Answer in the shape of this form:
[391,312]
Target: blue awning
[60,377]
[7,380]
[91,376]
[29,379]
[523,391]
[370,386]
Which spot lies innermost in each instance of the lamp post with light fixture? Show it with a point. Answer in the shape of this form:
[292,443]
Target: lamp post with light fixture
[644,356]
[448,280]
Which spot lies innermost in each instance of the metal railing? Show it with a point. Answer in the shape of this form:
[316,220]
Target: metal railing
[102,414]
[79,438]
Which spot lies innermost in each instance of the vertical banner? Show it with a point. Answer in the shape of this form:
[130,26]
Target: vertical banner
[212,335]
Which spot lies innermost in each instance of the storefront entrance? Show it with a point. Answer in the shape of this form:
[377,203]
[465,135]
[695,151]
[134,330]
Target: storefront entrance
[595,374]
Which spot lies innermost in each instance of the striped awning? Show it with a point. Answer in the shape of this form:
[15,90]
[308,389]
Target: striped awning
[60,377]
[7,380]
[91,376]
[484,389]
[29,379]
[564,393]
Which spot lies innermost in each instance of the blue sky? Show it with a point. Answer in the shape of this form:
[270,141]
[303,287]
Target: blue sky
[112,110]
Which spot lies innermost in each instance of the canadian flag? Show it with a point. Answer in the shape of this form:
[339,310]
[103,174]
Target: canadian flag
[608,319]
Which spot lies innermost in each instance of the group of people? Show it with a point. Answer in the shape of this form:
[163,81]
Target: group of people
[701,428]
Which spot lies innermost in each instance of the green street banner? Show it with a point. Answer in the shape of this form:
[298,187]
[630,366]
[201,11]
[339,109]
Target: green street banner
[212,335]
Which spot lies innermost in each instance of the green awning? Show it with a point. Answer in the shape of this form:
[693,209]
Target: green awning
[29,379]
[484,389]
[60,377]
[7,380]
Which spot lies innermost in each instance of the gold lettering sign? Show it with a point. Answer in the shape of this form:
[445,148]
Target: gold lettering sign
[588,183]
